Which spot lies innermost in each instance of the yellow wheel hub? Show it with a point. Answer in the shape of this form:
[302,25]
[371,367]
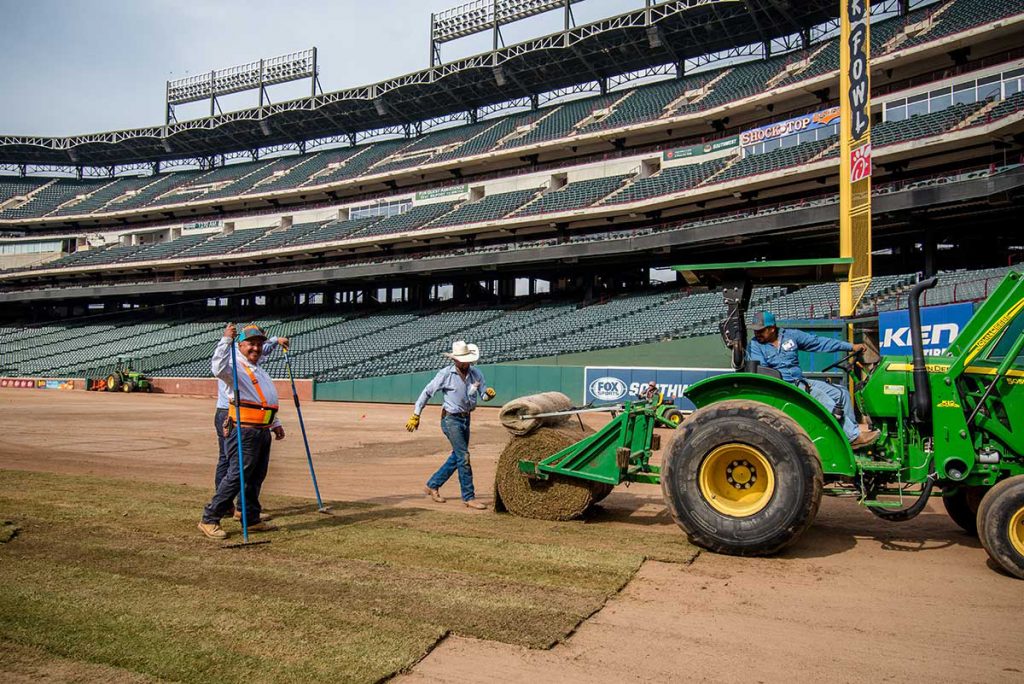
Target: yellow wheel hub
[736,480]
[1017,531]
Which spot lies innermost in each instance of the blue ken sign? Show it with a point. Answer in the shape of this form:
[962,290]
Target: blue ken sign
[939,327]
[609,384]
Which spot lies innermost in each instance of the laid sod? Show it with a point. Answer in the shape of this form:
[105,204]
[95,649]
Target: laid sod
[113,578]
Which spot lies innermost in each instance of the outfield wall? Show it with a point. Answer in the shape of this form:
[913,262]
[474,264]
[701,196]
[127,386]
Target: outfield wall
[508,380]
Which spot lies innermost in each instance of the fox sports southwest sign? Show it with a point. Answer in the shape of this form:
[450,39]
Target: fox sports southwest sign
[605,385]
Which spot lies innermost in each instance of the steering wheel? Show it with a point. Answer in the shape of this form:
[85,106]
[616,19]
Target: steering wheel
[851,364]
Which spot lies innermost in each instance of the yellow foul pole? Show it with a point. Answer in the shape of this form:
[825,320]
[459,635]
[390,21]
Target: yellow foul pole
[855,151]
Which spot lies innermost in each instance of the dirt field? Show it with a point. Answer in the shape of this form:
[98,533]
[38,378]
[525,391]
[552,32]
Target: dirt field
[854,600]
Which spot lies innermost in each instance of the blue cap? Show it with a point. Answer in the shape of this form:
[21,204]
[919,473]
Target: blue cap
[765,319]
[250,332]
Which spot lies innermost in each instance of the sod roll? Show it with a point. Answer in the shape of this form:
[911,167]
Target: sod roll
[557,498]
[512,413]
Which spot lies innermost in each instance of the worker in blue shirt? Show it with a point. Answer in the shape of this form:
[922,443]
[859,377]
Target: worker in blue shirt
[777,348]
[462,386]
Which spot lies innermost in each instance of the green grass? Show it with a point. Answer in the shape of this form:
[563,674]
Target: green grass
[110,579]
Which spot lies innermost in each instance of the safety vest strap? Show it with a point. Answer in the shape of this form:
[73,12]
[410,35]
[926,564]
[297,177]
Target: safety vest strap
[259,415]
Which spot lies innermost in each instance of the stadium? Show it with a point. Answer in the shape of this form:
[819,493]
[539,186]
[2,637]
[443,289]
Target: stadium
[532,199]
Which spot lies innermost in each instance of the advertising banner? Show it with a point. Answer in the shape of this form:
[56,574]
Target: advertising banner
[939,327]
[203,225]
[701,150]
[442,192]
[799,124]
[606,385]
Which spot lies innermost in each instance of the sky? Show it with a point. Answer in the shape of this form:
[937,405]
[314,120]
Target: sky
[89,66]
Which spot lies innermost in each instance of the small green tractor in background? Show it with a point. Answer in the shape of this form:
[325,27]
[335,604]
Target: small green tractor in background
[745,473]
[123,378]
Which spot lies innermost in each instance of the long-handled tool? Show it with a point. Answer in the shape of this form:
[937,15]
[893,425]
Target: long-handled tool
[302,426]
[241,461]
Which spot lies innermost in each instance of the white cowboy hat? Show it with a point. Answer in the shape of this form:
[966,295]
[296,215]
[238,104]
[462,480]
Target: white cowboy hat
[467,353]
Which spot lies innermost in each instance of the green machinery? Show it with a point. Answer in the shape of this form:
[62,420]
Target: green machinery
[745,473]
[125,379]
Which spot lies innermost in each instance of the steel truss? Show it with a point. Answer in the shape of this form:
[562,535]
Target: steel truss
[367,112]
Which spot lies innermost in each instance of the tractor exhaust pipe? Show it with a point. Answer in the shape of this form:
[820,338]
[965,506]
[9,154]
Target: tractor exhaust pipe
[921,406]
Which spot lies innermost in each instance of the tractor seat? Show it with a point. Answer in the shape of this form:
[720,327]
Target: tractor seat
[756,367]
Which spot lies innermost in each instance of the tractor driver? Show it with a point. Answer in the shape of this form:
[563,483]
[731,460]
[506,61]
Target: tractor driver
[777,348]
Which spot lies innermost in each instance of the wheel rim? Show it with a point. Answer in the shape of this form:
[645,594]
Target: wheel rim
[737,480]
[1017,531]
[675,419]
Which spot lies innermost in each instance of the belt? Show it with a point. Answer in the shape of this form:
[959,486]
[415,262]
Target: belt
[445,413]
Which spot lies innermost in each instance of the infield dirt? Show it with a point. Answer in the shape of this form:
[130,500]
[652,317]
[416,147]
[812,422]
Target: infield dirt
[854,600]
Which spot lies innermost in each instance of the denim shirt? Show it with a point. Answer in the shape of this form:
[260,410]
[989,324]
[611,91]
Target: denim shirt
[784,358]
[460,396]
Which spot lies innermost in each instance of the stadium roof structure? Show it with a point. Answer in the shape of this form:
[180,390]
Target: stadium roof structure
[661,33]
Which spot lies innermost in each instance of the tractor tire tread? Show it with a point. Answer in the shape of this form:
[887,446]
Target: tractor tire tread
[994,514]
[785,428]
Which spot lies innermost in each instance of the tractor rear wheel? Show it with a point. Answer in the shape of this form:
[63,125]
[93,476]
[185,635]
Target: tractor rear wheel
[962,506]
[1001,525]
[113,382]
[742,478]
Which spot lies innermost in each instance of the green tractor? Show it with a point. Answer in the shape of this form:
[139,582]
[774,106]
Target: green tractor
[124,379]
[745,473]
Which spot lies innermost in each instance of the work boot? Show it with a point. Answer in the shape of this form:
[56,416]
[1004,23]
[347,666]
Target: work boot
[473,503]
[865,439]
[434,494]
[263,516]
[263,526]
[212,530]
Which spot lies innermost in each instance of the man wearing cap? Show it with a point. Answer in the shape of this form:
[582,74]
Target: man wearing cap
[777,348]
[462,386]
[257,403]
[220,416]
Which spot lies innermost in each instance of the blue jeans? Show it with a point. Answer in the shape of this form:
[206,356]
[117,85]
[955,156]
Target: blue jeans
[222,458]
[831,396]
[456,429]
[256,459]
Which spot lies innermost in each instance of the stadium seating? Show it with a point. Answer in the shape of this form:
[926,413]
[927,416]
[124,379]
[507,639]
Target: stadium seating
[961,15]
[573,195]
[670,180]
[487,209]
[634,105]
[560,122]
[222,244]
[777,159]
[165,250]
[48,197]
[922,125]
[351,345]
[415,218]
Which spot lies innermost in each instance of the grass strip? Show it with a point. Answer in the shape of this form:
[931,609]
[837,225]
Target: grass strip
[106,573]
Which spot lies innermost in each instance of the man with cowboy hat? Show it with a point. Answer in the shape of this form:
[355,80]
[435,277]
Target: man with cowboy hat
[257,404]
[462,386]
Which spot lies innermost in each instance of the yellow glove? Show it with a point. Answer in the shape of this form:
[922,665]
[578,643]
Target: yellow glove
[489,394]
[413,423]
